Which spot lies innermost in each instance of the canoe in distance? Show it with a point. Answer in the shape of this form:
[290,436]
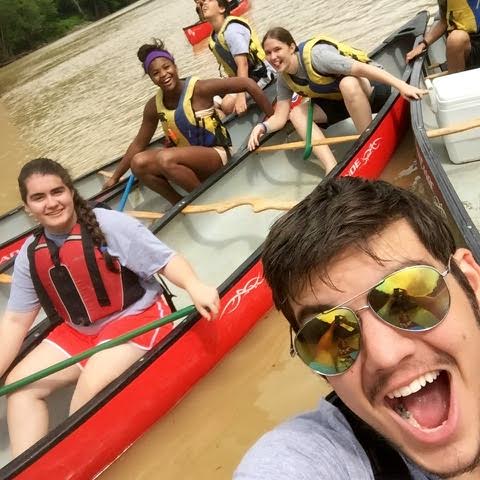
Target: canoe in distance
[225,250]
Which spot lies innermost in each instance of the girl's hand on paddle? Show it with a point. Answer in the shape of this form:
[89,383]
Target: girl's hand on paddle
[409,92]
[205,298]
[257,133]
[415,52]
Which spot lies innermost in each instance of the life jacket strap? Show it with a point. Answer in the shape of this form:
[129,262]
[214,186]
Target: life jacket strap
[386,462]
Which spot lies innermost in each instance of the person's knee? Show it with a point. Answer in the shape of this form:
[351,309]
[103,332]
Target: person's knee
[166,160]
[139,163]
[458,40]
[23,394]
[351,87]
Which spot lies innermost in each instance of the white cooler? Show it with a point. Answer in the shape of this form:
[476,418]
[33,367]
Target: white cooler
[456,99]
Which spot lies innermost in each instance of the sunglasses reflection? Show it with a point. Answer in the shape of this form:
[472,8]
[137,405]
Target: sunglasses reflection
[337,346]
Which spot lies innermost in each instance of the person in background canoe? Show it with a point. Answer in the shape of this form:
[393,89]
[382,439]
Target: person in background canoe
[342,81]
[91,269]
[407,403]
[237,50]
[460,20]
[200,144]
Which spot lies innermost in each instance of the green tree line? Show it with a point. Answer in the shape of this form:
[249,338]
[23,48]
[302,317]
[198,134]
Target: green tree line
[28,24]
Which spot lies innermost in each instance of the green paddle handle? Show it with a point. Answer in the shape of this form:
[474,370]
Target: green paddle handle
[91,351]
[308,138]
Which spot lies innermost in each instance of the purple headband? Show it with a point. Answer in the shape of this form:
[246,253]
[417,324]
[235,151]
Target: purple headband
[156,54]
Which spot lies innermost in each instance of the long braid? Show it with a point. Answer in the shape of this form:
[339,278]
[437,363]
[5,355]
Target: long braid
[87,218]
[85,215]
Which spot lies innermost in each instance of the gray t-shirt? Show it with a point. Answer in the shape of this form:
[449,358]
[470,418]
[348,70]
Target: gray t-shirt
[325,59]
[237,37]
[131,242]
[318,445]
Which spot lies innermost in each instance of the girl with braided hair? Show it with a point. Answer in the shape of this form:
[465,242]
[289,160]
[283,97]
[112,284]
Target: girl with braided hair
[200,144]
[91,270]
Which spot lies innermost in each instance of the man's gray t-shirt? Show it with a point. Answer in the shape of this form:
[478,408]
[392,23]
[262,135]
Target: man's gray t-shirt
[318,445]
[325,59]
[131,242]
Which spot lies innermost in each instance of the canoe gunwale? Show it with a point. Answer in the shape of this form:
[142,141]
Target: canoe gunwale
[437,177]
[75,421]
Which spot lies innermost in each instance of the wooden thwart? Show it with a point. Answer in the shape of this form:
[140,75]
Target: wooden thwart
[5,278]
[456,128]
[258,204]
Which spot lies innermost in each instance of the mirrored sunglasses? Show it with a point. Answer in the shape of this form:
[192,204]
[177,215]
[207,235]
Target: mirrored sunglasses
[413,299]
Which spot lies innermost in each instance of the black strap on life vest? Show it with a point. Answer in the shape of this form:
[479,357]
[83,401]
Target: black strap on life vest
[93,270]
[386,462]
[43,297]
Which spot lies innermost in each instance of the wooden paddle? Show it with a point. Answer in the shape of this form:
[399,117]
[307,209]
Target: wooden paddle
[258,204]
[436,75]
[437,132]
[5,278]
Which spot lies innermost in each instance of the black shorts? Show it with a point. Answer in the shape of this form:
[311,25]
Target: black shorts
[474,57]
[337,111]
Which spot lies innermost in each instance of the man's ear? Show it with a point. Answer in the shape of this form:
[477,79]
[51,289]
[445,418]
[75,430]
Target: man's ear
[469,267]
[27,210]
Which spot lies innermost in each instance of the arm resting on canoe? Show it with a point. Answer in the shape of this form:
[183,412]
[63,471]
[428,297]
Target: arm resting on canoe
[371,72]
[437,30]
[274,123]
[13,330]
[204,297]
[142,139]
[242,71]
[207,89]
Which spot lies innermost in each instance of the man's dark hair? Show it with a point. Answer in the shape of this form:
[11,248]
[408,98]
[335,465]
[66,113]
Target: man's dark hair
[226,5]
[339,214]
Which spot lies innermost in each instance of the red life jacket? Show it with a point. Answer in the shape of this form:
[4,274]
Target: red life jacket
[73,281]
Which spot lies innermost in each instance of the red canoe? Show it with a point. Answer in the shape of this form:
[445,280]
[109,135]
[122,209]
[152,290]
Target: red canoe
[198,31]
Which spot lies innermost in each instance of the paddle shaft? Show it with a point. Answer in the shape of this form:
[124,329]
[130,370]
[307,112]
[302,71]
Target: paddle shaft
[126,192]
[91,351]
[438,132]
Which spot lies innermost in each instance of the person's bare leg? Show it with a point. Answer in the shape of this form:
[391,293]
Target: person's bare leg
[458,50]
[357,101]
[185,166]
[27,413]
[142,168]
[160,184]
[102,369]
[299,117]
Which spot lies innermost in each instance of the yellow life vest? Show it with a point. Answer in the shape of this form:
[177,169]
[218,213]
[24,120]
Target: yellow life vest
[318,85]
[183,128]
[463,15]
[256,55]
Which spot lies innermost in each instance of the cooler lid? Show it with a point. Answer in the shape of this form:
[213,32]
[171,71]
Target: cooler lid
[462,86]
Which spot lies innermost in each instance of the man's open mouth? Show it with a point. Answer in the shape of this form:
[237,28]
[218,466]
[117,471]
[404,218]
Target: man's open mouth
[425,402]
